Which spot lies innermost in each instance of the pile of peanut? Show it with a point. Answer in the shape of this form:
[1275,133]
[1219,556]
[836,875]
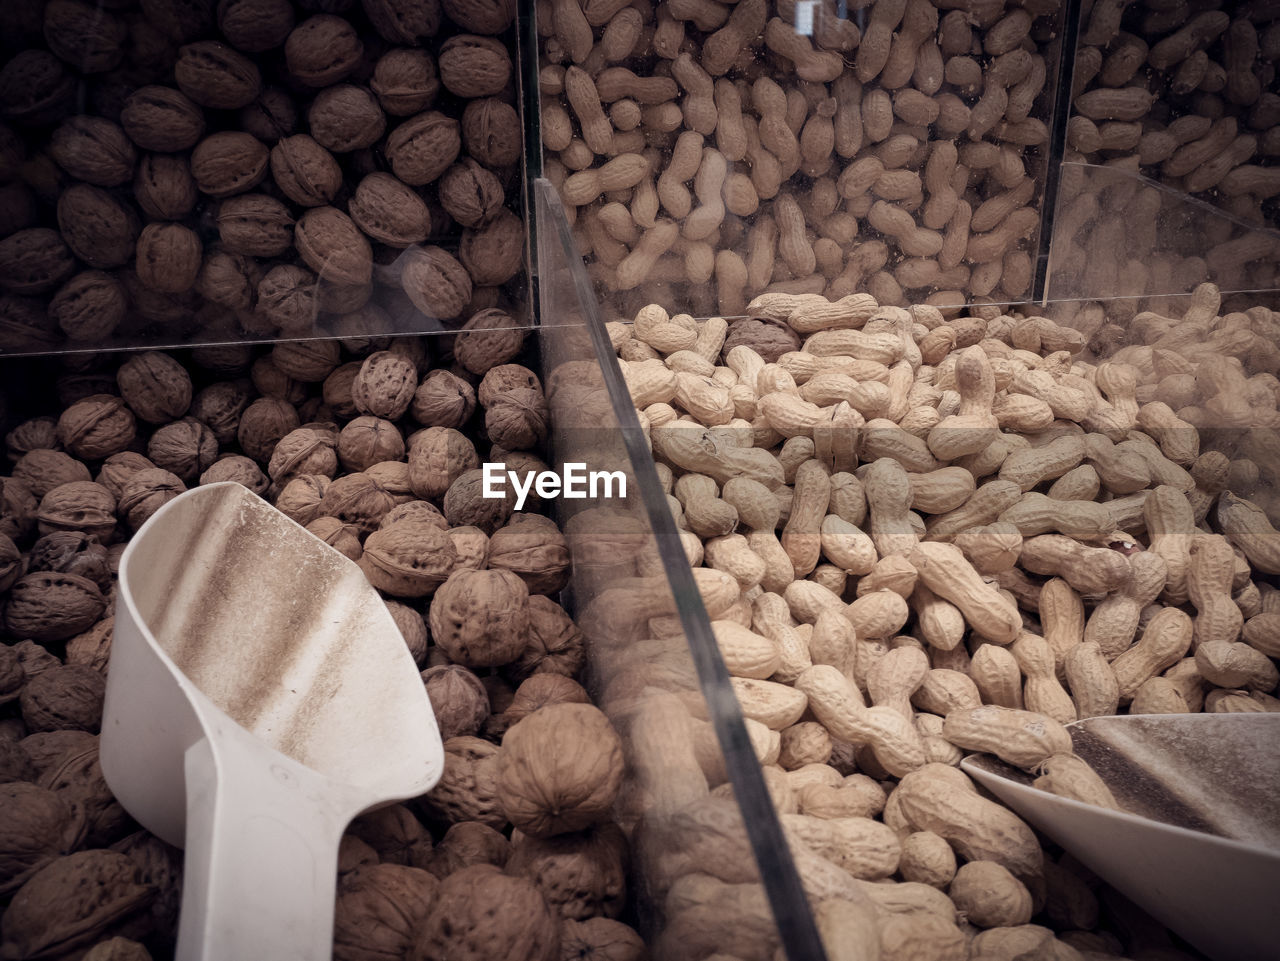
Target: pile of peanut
[708,152]
[918,537]
[1185,95]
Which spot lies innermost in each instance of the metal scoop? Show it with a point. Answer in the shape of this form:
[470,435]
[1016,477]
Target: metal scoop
[1198,842]
[259,697]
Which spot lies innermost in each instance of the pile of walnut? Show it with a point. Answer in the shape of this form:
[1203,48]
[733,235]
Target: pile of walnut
[248,169]
[917,537]
[891,155]
[376,450]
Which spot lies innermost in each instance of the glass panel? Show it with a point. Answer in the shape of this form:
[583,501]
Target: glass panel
[710,871]
[707,153]
[260,174]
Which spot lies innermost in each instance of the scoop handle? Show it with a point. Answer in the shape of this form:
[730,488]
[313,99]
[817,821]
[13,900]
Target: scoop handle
[261,854]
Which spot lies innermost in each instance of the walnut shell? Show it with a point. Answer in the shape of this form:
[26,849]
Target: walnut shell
[64,698]
[345,117]
[331,245]
[463,923]
[255,26]
[367,441]
[467,789]
[169,257]
[581,875]
[343,538]
[94,150]
[214,75]
[459,700]
[78,506]
[117,949]
[491,132]
[230,162]
[97,427]
[252,224]
[77,776]
[155,386]
[405,81]
[443,399]
[146,492]
[309,361]
[423,147]
[408,559]
[34,434]
[481,16]
[287,299]
[337,390]
[39,826]
[489,338]
[263,424]
[412,627]
[272,116]
[40,471]
[474,66]
[479,618]
[518,421]
[74,901]
[438,456]
[118,468]
[358,500]
[465,503]
[536,553]
[561,770]
[186,447]
[534,693]
[35,88]
[322,50]
[88,38]
[301,498]
[393,832]
[465,845]
[304,451]
[435,281]
[162,119]
[404,21]
[305,171]
[470,193]
[92,648]
[493,253]
[242,470]
[161,867]
[99,228]
[11,566]
[379,908]
[34,261]
[389,212]
[71,552]
[164,187]
[384,385]
[220,406]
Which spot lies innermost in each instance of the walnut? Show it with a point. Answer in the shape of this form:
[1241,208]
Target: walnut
[393,832]
[161,867]
[155,306]
[479,618]
[443,400]
[155,386]
[229,278]
[405,81]
[423,147]
[458,699]
[367,441]
[78,506]
[118,468]
[437,458]
[301,498]
[272,116]
[331,245]
[11,567]
[518,421]
[271,381]
[304,451]
[379,908]
[214,75]
[252,224]
[13,675]
[77,776]
[412,628]
[491,132]
[582,875]
[489,338]
[162,119]
[481,16]
[99,229]
[220,406]
[600,939]
[169,257]
[34,261]
[345,117]
[343,538]
[473,66]
[287,299]
[92,648]
[46,747]
[238,469]
[389,212]
[410,558]
[229,162]
[97,427]
[470,193]
[357,499]
[305,171]
[472,545]
[322,50]
[534,693]
[467,844]
[64,698]
[337,389]
[497,381]
[463,923]
[467,790]
[537,553]
[117,949]
[35,88]
[309,361]
[493,253]
[74,901]
[770,339]
[34,434]
[87,37]
[263,424]
[94,150]
[384,385]
[561,769]
[39,826]
[90,306]
[186,447]
[466,505]
[353,854]
[15,766]
[71,552]
[415,510]
[255,26]
[146,492]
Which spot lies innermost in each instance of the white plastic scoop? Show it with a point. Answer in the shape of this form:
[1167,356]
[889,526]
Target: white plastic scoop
[1198,843]
[259,697]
